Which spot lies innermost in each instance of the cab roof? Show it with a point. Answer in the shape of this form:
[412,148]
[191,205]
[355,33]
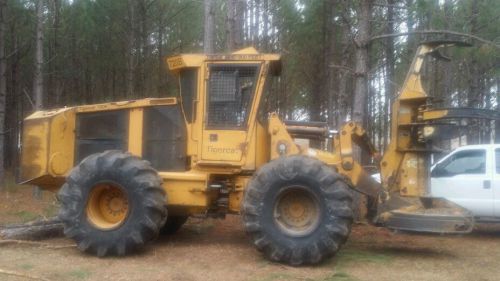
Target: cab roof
[178,62]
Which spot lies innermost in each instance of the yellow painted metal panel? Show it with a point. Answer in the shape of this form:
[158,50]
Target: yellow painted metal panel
[258,148]
[187,189]
[413,176]
[126,104]
[262,145]
[48,147]
[281,141]
[34,156]
[223,145]
[62,143]
[236,197]
[135,131]
[434,114]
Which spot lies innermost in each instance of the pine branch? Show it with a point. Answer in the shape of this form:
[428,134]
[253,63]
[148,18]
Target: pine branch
[449,32]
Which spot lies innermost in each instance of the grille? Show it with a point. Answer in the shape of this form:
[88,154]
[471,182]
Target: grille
[164,138]
[100,131]
[231,91]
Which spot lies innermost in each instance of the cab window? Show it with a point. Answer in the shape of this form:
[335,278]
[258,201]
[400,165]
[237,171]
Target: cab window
[188,80]
[231,91]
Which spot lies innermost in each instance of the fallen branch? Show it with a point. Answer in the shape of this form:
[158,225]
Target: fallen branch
[19,274]
[36,230]
[34,243]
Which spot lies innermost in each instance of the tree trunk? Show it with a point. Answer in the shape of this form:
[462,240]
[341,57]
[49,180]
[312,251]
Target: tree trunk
[3,86]
[361,67]
[234,24]
[343,75]
[58,88]
[332,77]
[410,45]
[209,32]
[362,61]
[256,24]
[251,21]
[15,104]
[389,71]
[473,95]
[143,85]
[130,49]
[265,31]
[38,75]
[161,68]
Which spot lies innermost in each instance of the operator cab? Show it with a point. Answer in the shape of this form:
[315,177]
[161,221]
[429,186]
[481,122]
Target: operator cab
[220,95]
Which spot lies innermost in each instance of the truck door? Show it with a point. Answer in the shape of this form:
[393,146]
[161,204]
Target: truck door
[496,183]
[465,178]
[230,92]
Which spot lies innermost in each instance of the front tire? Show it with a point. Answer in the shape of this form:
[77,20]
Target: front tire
[112,203]
[298,210]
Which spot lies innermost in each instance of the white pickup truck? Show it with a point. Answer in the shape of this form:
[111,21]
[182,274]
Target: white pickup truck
[470,177]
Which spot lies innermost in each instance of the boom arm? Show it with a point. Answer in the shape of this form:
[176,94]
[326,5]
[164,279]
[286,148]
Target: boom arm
[405,165]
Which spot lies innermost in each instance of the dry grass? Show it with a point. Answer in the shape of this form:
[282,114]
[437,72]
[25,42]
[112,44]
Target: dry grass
[220,250]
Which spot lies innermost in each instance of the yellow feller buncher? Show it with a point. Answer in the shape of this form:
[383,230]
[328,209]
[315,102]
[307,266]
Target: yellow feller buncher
[127,171]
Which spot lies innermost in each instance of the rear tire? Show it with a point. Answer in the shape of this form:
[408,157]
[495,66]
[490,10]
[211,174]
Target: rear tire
[112,203]
[298,210]
[173,224]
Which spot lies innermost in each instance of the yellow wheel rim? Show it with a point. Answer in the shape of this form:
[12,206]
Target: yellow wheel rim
[296,212]
[107,206]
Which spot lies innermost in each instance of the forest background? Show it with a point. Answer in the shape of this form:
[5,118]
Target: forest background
[342,60]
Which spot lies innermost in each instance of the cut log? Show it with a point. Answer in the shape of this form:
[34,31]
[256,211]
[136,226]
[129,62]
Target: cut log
[35,230]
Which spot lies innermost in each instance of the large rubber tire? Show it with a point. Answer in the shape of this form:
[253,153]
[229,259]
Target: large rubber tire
[146,206]
[314,179]
[173,224]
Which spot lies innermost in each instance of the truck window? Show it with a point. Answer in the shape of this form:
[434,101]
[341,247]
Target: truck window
[466,162]
[497,160]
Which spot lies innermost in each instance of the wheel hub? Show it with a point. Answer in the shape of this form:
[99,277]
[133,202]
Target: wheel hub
[107,206]
[297,212]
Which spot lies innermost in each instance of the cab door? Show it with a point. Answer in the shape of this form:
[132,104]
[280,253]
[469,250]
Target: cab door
[230,94]
[465,178]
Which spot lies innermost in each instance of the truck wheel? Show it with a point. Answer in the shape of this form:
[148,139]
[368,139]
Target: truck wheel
[298,210]
[173,224]
[112,203]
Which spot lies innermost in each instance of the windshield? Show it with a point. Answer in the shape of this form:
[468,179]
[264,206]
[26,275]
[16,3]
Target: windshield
[231,89]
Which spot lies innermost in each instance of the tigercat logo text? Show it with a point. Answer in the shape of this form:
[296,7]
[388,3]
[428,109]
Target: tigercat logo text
[222,150]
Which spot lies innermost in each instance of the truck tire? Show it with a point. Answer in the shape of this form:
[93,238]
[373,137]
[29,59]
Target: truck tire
[173,224]
[112,203]
[298,210]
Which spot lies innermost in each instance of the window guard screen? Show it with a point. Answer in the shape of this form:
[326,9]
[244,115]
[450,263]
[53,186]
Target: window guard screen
[230,93]
[164,138]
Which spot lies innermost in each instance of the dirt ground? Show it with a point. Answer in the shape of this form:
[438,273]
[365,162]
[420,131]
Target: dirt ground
[220,250]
